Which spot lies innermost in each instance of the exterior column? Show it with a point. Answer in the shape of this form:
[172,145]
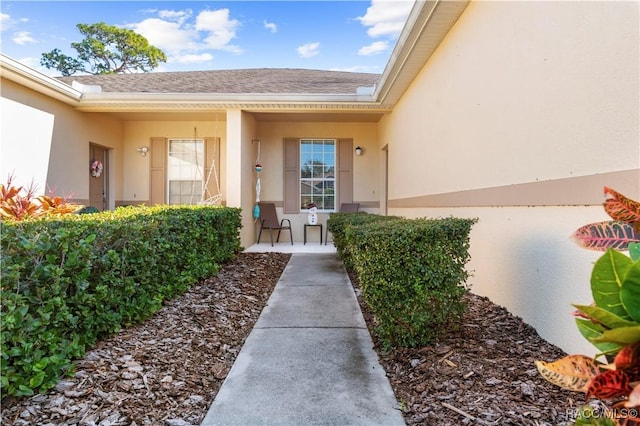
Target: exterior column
[240,166]
[234,158]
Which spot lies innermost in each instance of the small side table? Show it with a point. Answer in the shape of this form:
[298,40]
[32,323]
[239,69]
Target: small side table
[305,231]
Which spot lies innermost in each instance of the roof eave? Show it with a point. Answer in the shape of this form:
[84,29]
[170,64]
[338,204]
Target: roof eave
[427,25]
[222,97]
[247,101]
[25,76]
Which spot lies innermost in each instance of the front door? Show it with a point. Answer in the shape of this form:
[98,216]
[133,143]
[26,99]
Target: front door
[98,177]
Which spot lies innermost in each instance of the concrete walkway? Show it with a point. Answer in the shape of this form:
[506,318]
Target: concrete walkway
[309,360]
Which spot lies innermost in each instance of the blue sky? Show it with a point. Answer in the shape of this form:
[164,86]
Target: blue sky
[204,35]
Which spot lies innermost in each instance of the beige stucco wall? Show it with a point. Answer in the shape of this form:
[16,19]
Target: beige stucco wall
[531,93]
[28,171]
[69,136]
[246,183]
[138,134]
[365,167]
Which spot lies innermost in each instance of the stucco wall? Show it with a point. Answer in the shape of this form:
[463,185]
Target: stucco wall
[247,179]
[28,171]
[521,92]
[520,100]
[138,134]
[68,136]
[365,167]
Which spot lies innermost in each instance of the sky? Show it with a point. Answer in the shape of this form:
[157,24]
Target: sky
[355,36]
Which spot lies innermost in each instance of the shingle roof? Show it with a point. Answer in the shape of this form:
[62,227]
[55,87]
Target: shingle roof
[260,80]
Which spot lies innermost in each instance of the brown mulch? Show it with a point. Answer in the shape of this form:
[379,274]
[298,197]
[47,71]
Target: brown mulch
[484,373]
[168,370]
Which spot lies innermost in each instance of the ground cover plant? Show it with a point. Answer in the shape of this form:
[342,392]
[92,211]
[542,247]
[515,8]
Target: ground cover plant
[611,323]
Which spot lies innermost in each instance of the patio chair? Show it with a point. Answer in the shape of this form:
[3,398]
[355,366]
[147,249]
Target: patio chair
[344,208]
[269,220]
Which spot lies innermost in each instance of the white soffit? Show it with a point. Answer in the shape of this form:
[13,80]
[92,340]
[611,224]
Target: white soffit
[109,102]
[426,27]
[21,74]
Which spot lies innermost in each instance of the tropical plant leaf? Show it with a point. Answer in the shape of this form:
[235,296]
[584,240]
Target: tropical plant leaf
[573,372]
[628,358]
[592,331]
[620,207]
[604,317]
[606,279]
[634,250]
[601,236]
[621,335]
[630,291]
[609,384]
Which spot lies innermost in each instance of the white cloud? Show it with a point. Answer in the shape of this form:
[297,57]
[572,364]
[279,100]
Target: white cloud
[374,48]
[4,21]
[169,36]
[271,26]
[309,50]
[220,28]
[194,58]
[186,38]
[22,38]
[386,17]
[7,22]
[175,15]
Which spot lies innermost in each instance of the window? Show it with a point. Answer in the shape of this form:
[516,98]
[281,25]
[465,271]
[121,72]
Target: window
[318,173]
[185,171]
[342,172]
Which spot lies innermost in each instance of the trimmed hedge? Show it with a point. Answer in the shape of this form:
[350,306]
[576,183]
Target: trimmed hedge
[412,273]
[338,223]
[69,281]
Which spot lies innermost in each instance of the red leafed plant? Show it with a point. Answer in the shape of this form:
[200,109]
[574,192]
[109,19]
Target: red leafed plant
[616,234]
[612,322]
[18,203]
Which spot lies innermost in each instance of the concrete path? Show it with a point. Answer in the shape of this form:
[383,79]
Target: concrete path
[309,360]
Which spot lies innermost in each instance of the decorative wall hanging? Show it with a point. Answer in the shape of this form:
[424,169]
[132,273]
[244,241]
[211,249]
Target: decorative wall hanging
[312,218]
[96,168]
[207,196]
[258,168]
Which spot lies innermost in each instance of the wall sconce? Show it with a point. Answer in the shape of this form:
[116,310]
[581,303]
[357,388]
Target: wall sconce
[358,151]
[143,150]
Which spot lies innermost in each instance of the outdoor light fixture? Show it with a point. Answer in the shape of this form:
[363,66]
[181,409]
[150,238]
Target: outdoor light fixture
[143,150]
[358,150]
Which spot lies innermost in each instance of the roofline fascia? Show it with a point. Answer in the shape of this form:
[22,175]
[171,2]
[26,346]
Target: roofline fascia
[416,24]
[240,98]
[37,81]
[246,106]
[110,101]
[400,52]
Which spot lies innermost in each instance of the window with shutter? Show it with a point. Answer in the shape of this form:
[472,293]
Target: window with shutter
[318,174]
[317,171]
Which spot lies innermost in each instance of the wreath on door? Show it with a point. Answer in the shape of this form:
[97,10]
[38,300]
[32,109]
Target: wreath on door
[96,168]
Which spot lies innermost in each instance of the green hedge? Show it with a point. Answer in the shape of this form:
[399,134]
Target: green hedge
[70,281]
[338,223]
[412,273]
